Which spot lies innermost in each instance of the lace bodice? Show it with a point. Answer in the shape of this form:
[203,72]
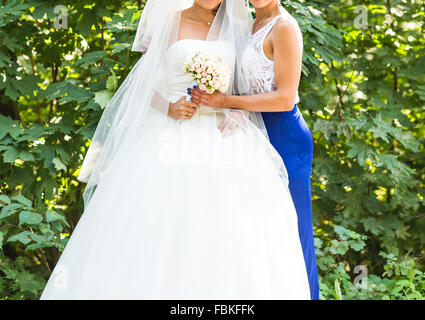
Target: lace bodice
[256,65]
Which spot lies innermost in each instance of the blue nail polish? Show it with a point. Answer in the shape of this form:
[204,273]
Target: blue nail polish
[191,99]
[194,87]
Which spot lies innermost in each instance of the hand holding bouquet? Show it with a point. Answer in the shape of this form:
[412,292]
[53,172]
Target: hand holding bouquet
[208,72]
[211,74]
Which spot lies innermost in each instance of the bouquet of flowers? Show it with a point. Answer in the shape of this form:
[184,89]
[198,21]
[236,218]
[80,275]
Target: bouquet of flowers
[209,73]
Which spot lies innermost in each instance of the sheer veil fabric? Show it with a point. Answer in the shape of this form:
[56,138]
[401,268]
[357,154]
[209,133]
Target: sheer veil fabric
[125,114]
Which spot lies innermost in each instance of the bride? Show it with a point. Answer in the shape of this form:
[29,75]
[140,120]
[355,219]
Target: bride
[175,206]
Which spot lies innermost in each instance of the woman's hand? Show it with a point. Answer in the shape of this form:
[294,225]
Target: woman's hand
[182,109]
[216,99]
[233,120]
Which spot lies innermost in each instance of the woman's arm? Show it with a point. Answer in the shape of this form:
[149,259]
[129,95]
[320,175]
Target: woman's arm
[179,110]
[287,67]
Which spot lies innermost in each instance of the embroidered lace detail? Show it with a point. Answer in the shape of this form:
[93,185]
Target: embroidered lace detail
[258,68]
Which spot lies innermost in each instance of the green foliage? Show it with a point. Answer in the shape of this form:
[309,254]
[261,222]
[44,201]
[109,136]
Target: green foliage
[362,94]
[401,280]
[363,99]
[26,234]
[53,86]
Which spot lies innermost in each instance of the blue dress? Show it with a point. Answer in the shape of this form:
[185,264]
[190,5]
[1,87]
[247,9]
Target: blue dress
[291,137]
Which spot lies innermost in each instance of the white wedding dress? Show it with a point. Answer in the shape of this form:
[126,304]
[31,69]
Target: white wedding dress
[196,215]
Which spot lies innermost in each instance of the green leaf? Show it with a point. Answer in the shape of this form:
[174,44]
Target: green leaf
[342,232]
[4,62]
[357,245]
[85,22]
[337,286]
[21,199]
[52,216]
[24,281]
[406,138]
[26,156]
[361,151]
[121,47]
[381,129]
[36,246]
[76,94]
[327,127]
[57,226]
[398,169]
[11,155]
[33,133]
[21,177]
[102,98]
[22,237]
[421,92]
[4,199]
[9,126]
[112,82]
[47,186]
[64,156]
[44,228]
[358,123]
[59,164]
[12,43]
[56,90]
[42,9]
[10,210]
[90,58]
[39,239]
[11,86]
[338,247]
[373,225]
[27,85]
[30,218]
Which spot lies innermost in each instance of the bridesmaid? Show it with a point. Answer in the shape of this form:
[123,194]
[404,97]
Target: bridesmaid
[272,62]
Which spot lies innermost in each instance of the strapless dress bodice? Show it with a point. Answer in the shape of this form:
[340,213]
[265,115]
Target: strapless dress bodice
[177,55]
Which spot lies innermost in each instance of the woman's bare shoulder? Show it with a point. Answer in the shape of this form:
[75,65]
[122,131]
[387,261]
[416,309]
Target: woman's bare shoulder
[284,28]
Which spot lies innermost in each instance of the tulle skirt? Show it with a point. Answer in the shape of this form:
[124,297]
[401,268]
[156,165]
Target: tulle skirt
[186,213]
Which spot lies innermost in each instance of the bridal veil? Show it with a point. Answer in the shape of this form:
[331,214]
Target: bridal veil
[144,87]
